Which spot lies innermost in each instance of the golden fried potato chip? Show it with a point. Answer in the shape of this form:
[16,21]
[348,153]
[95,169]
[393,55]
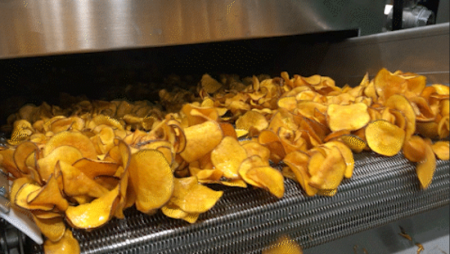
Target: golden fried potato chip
[201,139]
[228,130]
[107,181]
[346,154]
[7,162]
[254,148]
[249,163]
[192,197]
[94,214]
[414,149]
[74,139]
[151,178]
[48,195]
[94,168]
[210,84]
[21,154]
[347,117]
[388,84]
[268,178]
[443,127]
[399,102]
[22,194]
[330,173]
[425,169]
[289,103]
[270,140]
[441,149]
[252,119]
[76,183]
[298,163]
[384,138]
[46,166]
[228,156]
[66,245]
[53,228]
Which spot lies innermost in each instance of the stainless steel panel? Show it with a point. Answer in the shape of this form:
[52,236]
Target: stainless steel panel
[30,28]
[422,50]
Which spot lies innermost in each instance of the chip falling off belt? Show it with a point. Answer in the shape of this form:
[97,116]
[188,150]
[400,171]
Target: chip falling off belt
[80,167]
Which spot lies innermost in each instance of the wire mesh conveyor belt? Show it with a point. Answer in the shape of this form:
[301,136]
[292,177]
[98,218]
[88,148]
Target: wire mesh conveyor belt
[382,190]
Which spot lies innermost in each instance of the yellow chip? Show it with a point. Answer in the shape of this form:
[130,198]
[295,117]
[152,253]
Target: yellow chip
[414,149]
[384,138]
[151,178]
[268,178]
[252,119]
[298,163]
[93,168]
[347,117]
[284,245]
[192,197]
[400,103]
[94,214]
[425,169]
[74,139]
[53,228]
[330,173]
[441,149]
[49,195]
[228,156]
[346,154]
[201,139]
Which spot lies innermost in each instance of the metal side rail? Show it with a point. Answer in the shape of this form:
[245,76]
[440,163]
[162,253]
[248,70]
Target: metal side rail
[382,190]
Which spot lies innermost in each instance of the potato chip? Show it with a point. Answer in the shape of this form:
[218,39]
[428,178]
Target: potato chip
[399,102]
[76,183]
[384,138]
[414,149]
[228,156]
[48,195]
[254,148]
[7,162]
[21,198]
[192,197]
[252,119]
[388,84]
[53,228]
[151,178]
[46,166]
[210,84]
[94,168]
[21,153]
[249,163]
[330,173]
[298,163]
[289,103]
[347,117]
[425,169]
[441,149]
[268,178]
[201,139]
[74,139]
[94,214]
[346,154]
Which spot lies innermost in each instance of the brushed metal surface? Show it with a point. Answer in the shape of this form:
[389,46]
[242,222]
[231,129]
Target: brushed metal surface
[422,50]
[32,28]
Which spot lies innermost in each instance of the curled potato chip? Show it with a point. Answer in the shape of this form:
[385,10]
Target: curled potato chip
[21,154]
[93,168]
[21,198]
[330,173]
[346,154]
[75,139]
[50,194]
[46,166]
[201,139]
[355,143]
[298,163]
[192,197]
[384,138]
[254,148]
[93,214]
[441,149]
[76,183]
[347,117]
[267,178]
[228,156]
[399,102]
[151,178]
[425,169]
[249,163]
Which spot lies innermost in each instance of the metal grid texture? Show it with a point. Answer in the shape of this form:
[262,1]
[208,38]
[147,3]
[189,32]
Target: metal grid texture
[382,190]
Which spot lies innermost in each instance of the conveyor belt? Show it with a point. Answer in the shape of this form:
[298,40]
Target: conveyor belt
[382,190]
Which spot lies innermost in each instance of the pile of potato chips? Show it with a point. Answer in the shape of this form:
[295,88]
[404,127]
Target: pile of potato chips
[85,165]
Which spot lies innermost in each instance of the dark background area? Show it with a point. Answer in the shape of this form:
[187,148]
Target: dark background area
[106,75]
